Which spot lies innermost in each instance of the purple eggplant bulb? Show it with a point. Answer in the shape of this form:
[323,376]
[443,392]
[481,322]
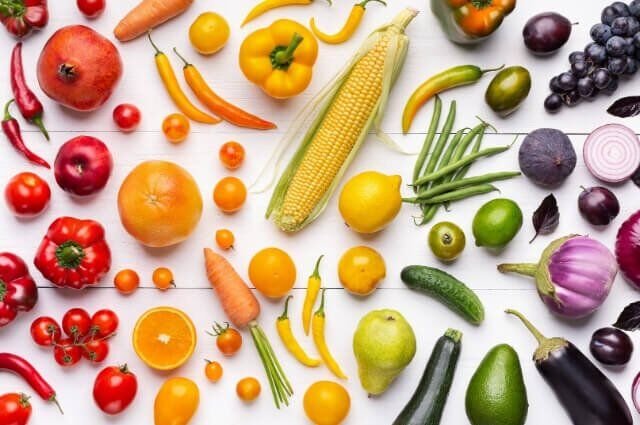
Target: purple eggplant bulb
[574,275]
[611,346]
[598,205]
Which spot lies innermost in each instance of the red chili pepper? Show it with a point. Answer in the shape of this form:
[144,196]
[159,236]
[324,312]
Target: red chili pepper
[18,291]
[11,129]
[21,16]
[73,253]
[22,367]
[29,105]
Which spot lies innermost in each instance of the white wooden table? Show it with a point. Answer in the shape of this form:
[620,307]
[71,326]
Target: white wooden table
[401,244]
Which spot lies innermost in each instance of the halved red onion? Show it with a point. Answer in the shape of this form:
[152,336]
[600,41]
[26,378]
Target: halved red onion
[635,392]
[628,249]
[612,153]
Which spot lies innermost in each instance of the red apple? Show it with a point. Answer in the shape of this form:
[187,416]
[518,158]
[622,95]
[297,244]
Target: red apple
[79,68]
[83,166]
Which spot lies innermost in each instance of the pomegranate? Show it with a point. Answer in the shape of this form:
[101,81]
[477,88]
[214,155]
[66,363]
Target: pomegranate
[79,68]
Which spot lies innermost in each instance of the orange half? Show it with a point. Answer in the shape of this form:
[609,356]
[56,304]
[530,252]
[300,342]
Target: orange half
[164,338]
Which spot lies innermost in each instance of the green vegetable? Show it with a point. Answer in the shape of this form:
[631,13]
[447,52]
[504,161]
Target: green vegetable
[464,193]
[508,89]
[446,289]
[427,402]
[442,140]
[470,181]
[446,240]
[431,134]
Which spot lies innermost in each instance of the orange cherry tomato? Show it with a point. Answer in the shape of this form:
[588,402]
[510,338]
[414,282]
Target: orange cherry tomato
[213,371]
[126,281]
[248,389]
[231,155]
[163,278]
[225,239]
[230,194]
[176,127]
[228,339]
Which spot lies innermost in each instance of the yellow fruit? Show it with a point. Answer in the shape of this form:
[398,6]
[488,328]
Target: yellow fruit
[272,272]
[164,338]
[326,403]
[360,270]
[370,201]
[209,33]
[176,402]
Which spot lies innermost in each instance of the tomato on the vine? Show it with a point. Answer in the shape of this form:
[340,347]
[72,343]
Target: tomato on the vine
[127,117]
[104,323]
[45,331]
[91,8]
[95,350]
[76,323]
[15,409]
[66,352]
[228,339]
[27,195]
[114,389]
[231,155]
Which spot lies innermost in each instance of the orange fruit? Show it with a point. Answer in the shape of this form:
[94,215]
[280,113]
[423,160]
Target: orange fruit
[326,403]
[229,194]
[272,272]
[159,203]
[164,338]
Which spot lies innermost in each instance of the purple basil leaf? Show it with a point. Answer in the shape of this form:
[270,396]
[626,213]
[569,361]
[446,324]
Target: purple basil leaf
[629,319]
[547,217]
[625,107]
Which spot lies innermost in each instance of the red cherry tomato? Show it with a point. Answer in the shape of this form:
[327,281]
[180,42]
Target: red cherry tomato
[104,323]
[127,117]
[231,155]
[45,331]
[176,128]
[76,323]
[27,195]
[96,351]
[91,8]
[114,389]
[67,353]
[14,409]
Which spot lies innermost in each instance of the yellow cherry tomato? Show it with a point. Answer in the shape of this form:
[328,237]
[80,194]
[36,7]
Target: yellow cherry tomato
[126,281]
[248,389]
[176,402]
[163,278]
[231,155]
[213,371]
[326,403]
[230,194]
[209,33]
[361,269]
[225,239]
[272,272]
[176,128]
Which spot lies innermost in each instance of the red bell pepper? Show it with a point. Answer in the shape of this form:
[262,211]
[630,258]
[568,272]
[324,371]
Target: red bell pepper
[21,16]
[73,253]
[18,291]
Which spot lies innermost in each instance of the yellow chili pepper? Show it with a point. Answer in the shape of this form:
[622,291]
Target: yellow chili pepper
[313,287]
[283,325]
[349,28]
[317,328]
[267,5]
[173,88]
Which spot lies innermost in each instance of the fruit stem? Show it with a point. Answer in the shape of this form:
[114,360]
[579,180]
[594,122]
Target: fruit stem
[527,269]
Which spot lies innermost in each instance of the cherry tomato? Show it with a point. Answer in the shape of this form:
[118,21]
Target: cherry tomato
[91,8]
[248,389]
[66,352]
[15,409]
[45,331]
[213,371]
[76,323]
[114,389]
[104,323]
[163,278]
[96,350]
[229,194]
[225,239]
[27,195]
[228,339]
[231,155]
[126,281]
[126,116]
[176,128]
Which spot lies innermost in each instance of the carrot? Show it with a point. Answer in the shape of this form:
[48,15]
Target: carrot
[237,300]
[148,14]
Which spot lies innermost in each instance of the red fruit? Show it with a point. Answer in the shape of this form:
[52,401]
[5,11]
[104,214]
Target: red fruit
[96,351]
[66,353]
[83,166]
[14,409]
[27,195]
[91,8]
[45,331]
[104,323]
[127,117]
[114,389]
[79,68]
[76,323]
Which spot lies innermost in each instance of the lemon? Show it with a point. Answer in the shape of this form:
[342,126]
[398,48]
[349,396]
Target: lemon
[370,201]
[360,269]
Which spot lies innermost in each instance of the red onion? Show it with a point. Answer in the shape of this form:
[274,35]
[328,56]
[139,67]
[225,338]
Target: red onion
[628,249]
[635,392]
[574,275]
[612,153]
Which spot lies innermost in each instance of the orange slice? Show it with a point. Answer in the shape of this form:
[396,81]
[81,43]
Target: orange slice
[164,338]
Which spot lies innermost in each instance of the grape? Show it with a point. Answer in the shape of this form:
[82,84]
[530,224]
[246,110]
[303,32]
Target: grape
[620,26]
[616,46]
[608,15]
[634,8]
[613,85]
[597,52]
[601,78]
[585,86]
[632,66]
[571,98]
[633,26]
[580,69]
[553,102]
[636,40]
[578,56]
[631,49]
[600,33]
[567,81]
[620,8]
[617,66]
[554,86]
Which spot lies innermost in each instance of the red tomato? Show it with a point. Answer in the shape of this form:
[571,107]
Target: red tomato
[95,351]
[176,127]
[126,116]
[91,8]
[14,409]
[27,195]
[231,155]
[104,323]
[114,389]
[45,331]
[76,323]
[66,353]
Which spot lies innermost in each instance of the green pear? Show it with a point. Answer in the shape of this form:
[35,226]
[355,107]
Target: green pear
[384,344]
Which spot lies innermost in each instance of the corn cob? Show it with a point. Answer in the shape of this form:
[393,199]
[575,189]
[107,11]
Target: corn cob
[342,115]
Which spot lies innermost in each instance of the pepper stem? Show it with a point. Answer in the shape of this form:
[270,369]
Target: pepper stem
[158,51]
[316,270]
[12,9]
[282,56]
[54,399]
[186,64]
[69,254]
[7,114]
[481,4]
[320,311]
[484,71]
[527,269]
[38,122]
[363,3]
[284,316]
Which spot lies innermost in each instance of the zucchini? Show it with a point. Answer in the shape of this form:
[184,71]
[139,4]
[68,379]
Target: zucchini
[445,288]
[427,402]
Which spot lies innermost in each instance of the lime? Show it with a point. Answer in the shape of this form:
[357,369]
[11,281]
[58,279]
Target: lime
[496,223]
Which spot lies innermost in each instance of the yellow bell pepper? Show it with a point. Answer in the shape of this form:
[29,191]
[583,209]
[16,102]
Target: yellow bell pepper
[279,58]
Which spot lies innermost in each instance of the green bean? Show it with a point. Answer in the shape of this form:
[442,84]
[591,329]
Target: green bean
[442,140]
[428,140]
[459,194]
[458,184]
[464,170]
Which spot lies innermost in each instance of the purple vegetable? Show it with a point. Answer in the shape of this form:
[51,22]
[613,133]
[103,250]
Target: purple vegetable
[635,392]
[574,275]
[611,346]
[598,205]
[628,249]
[612,153]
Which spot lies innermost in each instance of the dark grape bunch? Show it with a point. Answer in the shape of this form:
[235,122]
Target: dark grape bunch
[613,53]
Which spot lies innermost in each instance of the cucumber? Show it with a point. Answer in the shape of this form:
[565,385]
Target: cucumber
[445,288]
[427,402]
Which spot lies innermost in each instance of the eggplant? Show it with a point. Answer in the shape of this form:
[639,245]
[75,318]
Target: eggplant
[587,395]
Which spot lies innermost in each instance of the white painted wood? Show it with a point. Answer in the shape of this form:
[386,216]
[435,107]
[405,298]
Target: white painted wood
[401,244]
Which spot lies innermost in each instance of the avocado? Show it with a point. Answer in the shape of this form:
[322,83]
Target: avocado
[496,394]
